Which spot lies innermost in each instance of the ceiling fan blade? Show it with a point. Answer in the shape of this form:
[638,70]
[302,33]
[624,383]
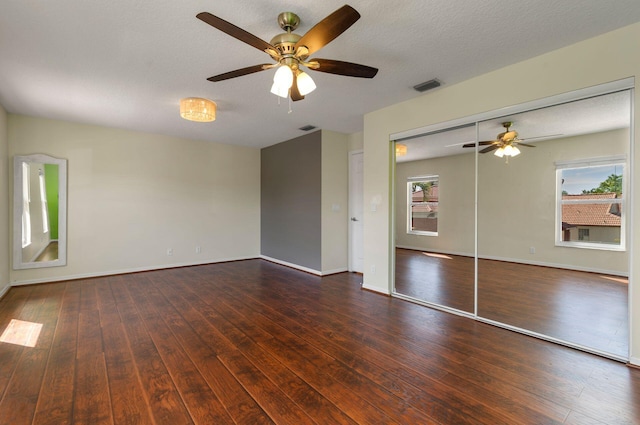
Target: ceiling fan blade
[343,68]
[328,29]
[294,92]
[489,149]
[483,143]
[240,72]
[525,144]
[235,31]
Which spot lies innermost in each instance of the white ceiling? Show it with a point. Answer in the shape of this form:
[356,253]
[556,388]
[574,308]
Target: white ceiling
[126,64]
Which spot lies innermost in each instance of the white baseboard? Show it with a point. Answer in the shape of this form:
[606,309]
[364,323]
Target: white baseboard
[304,269]
[126,271]
[5,290]
[634,361]
[375,289]
[521,261]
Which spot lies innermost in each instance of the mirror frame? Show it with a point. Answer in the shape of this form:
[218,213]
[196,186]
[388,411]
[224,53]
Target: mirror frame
[18,261]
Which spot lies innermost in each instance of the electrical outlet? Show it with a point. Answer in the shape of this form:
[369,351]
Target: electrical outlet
[373,269]
[198,250]
[532,250]
[169,251]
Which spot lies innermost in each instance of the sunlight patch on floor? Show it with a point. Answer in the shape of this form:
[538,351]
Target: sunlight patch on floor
[21,333]
[431,254]
[617,279]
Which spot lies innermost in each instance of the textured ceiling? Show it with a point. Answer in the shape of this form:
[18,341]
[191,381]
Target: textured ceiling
[126,64]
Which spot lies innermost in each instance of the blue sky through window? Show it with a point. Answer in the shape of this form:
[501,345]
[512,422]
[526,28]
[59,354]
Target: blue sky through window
[575,180]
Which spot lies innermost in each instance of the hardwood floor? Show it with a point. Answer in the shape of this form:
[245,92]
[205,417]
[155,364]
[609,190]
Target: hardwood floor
[587,309]
[252,342]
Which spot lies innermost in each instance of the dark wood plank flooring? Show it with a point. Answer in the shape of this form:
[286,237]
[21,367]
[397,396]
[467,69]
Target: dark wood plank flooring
[586,309]
[252,342]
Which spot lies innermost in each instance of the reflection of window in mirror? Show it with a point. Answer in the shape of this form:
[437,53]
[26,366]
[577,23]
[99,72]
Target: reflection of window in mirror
[43,201]
[422,201]
[26,199]
[590,208]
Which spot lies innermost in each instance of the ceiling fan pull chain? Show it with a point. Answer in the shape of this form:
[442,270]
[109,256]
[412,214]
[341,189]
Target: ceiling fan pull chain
[290,110]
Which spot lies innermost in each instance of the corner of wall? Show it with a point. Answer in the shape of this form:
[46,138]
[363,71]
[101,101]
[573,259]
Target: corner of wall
[5,202]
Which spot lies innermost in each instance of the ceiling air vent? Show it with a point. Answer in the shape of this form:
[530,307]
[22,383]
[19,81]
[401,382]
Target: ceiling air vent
[427,85]
[307,127]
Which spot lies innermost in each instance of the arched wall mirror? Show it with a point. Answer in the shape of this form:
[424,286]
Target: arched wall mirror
[39,211]
[533,239]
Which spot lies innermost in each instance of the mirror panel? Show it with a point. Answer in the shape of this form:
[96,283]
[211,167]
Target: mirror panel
[551,236]
[435,223]
[39,211]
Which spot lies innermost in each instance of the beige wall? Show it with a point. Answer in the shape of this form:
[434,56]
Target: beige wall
[456,218]
[132,196]
[581,65]
[335,196]
[356,141]
[5,240]
[516,198]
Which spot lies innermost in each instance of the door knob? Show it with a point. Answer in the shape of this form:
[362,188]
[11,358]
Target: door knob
[354,219]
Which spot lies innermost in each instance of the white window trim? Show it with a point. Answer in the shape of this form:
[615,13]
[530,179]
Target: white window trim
[592,162]
[410,180]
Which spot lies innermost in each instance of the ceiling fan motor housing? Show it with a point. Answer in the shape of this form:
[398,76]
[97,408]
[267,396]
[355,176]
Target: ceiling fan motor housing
[285,43]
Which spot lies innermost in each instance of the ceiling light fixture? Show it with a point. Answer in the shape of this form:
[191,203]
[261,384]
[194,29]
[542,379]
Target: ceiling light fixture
[507,151]
[305,83]
[283,81]
[401,150]
[198,109]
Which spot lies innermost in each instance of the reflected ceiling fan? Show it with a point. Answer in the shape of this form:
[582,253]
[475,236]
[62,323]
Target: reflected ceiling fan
[506,143]
[291,51]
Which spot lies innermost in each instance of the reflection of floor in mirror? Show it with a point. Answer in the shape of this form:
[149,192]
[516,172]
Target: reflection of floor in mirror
[50,253]
[583,308]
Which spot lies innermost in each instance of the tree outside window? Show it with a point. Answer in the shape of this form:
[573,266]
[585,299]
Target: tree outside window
[422,205]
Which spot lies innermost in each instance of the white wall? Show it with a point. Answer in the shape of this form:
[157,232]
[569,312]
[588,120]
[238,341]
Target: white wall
[335,202]
[581,65]
[5,198]
[132,196]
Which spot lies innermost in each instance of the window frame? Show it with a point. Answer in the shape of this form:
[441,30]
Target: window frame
[620,160]
[410,182]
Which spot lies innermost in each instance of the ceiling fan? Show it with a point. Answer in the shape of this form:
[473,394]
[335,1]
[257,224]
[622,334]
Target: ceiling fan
[291,51]
[506,143]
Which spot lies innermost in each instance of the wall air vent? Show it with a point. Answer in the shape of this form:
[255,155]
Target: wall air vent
[307,127]
[427,85]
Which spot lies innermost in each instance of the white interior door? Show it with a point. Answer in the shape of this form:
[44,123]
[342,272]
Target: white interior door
[356,185]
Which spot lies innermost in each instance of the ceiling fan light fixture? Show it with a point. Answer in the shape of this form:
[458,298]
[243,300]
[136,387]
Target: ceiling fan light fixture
[499,152]
[305,83]
[198,109]
[279,90]
[283,77]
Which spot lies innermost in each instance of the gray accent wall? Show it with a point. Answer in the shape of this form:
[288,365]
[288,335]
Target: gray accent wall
[291,199]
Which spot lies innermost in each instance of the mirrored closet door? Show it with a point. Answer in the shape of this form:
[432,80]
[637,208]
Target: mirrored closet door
[549,253]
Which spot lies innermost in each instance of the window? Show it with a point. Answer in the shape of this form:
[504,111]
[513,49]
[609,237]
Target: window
[26,200]
[43,202]
[590,203]
[422,205]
